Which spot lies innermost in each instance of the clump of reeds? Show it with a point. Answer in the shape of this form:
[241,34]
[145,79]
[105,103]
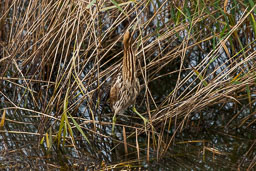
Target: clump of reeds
[58,58]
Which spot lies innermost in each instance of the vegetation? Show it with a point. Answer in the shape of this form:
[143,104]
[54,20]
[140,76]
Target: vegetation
[196,63]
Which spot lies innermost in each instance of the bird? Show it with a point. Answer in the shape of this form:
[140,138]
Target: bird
[126,86]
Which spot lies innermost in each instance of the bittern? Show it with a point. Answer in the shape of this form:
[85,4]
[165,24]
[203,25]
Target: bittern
[126,86]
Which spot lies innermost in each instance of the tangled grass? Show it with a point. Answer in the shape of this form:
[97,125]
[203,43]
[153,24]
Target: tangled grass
[57,60]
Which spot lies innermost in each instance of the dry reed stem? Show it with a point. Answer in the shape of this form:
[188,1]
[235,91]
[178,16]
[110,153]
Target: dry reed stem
[53,46]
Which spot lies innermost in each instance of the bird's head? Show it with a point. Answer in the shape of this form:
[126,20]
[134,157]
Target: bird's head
[127,37]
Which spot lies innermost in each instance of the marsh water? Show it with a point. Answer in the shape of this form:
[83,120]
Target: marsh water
[208,141]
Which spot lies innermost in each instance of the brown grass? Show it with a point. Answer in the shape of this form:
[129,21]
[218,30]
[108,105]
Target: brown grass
[57,59]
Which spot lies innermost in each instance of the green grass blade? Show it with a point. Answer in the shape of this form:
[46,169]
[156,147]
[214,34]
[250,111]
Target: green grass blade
[200,77]
[118,7]
[91,4]
[79,129]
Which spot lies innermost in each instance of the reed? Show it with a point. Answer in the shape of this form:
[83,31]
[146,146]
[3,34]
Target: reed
[195,59]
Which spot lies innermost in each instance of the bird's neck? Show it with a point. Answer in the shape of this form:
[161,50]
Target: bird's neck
[129,64]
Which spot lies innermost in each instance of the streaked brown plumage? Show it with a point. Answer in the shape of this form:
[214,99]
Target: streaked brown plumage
[126,86]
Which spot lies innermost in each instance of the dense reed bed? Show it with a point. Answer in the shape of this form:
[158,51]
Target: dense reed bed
[196,63]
